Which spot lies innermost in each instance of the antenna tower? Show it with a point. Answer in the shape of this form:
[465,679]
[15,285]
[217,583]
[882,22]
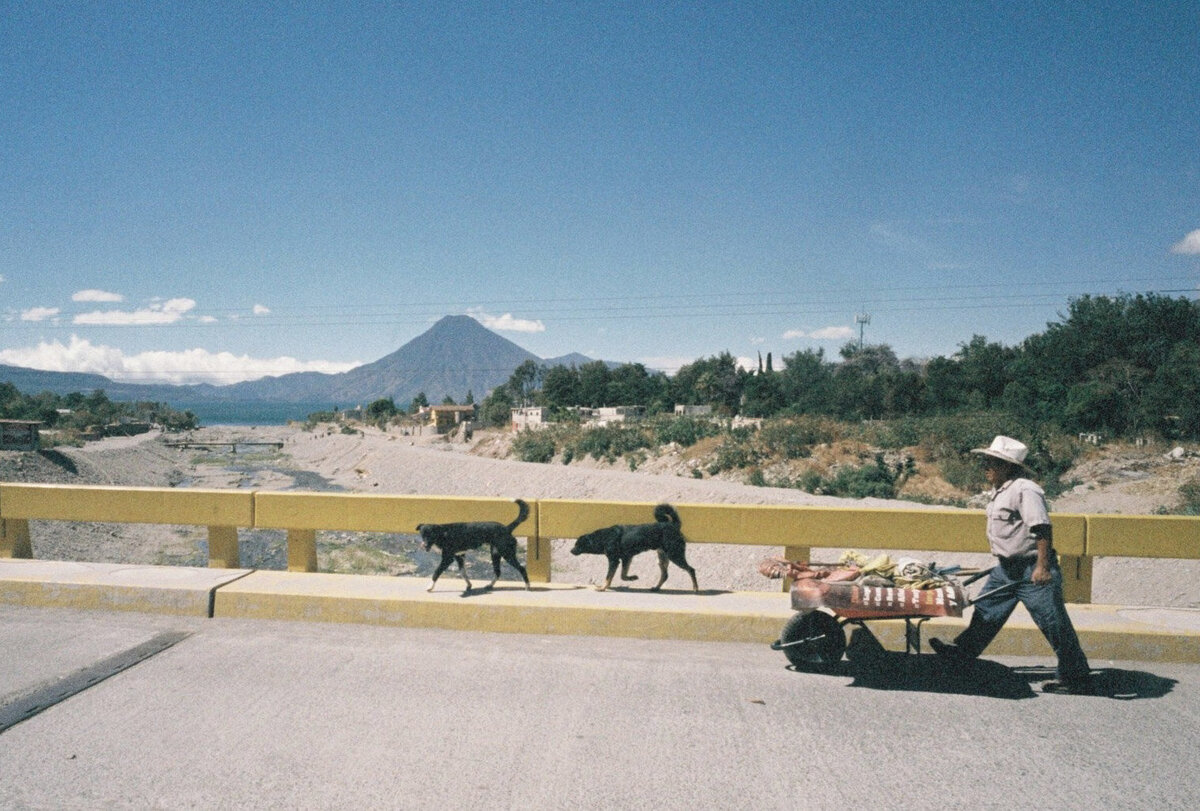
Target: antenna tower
[862,319]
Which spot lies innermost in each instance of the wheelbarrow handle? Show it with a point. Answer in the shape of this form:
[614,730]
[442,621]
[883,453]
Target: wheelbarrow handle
[998,590]
[978,576]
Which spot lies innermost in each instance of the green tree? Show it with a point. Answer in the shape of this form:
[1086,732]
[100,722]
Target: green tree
[525,382]
[762,394]
[382,410]
[593,384]
[1172,401]
[496,409]
[561,387]
[806,382]
[714,381]
[631,384]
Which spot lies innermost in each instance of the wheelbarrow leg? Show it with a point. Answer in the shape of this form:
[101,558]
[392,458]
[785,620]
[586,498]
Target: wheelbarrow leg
[912,633]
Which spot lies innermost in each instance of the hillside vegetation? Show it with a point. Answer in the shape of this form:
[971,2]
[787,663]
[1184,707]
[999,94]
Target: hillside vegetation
[1127,366]
[73,416]
[1120,369]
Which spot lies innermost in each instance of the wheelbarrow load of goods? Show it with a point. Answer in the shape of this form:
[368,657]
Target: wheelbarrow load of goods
[857,589]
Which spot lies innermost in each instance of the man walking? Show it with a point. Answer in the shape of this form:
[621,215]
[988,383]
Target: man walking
[1027,571]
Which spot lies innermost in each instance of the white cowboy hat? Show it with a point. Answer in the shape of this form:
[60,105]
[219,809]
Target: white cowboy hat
[1006,449]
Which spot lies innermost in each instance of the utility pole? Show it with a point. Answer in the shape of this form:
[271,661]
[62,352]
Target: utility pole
[862,319]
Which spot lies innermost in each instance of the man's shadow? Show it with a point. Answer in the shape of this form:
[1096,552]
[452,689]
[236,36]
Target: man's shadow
[1111,682]
[872,667]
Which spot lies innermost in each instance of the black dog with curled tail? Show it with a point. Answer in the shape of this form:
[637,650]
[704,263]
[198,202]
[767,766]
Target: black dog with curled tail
[456,538]
[622,541]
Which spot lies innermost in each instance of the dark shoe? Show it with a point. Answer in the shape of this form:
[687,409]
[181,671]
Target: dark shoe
[947,650]
[1068,688]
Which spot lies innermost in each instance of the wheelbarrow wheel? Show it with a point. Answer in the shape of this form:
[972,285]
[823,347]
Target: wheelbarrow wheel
[812,639]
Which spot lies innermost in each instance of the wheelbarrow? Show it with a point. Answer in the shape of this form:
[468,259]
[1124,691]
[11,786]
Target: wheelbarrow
[815,636]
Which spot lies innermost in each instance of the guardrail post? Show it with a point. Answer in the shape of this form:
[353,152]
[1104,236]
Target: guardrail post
[800,554]
[223,548]
[302,550]
[537,559]
[14,539]
[537,549]
[1077,577]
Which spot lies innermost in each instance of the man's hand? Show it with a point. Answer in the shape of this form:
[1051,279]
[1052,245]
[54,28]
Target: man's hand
[1041,569]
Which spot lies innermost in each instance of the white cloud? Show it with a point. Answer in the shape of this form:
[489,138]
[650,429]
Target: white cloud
[187,366]
[822,334]
[832,333]
[39,313]
[665,364]
[97,295]
[506,322]
[167,312]
[261,310]
[1190,244]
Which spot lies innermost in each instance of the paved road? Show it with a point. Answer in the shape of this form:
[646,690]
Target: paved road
[254,714]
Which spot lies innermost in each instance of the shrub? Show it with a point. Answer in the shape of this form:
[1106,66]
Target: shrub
[635,459]
[609,441]
[1189,494]
[794,438]
[534,446]
[732,453]
[810,481]
[683,431]
[869,481]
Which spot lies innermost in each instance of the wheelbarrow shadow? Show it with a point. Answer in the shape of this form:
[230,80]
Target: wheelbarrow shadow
[872,667]
[890,670]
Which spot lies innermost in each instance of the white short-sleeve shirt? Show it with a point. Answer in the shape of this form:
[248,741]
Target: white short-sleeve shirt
[1015,508]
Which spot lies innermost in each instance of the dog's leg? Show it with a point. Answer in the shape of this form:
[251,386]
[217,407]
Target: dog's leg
[438,571]
[511,556]
[462,569]
[662,569]
[679,558]
[495,569]
[625,575]
[612,569]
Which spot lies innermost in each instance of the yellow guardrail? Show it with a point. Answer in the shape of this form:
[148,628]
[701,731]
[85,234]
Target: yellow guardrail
[302,514]
[222,511]
[1079,539]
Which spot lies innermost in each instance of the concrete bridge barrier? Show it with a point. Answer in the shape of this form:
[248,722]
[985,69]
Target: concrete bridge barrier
[796,530]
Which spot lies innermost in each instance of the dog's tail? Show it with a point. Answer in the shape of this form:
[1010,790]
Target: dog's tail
[665,514]
[522,514]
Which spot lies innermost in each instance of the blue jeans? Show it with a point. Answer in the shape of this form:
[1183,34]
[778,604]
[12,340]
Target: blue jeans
[1044,604]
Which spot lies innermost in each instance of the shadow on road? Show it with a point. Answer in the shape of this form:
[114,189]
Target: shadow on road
[1112,682]
[930,674]
[870,666]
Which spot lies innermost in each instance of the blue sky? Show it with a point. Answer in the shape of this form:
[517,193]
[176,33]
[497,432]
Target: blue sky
[212,191]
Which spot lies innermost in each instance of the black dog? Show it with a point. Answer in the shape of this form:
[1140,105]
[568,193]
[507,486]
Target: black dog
[621,542]
[455,539]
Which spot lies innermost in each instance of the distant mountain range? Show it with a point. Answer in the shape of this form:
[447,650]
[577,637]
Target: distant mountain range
[455,356]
